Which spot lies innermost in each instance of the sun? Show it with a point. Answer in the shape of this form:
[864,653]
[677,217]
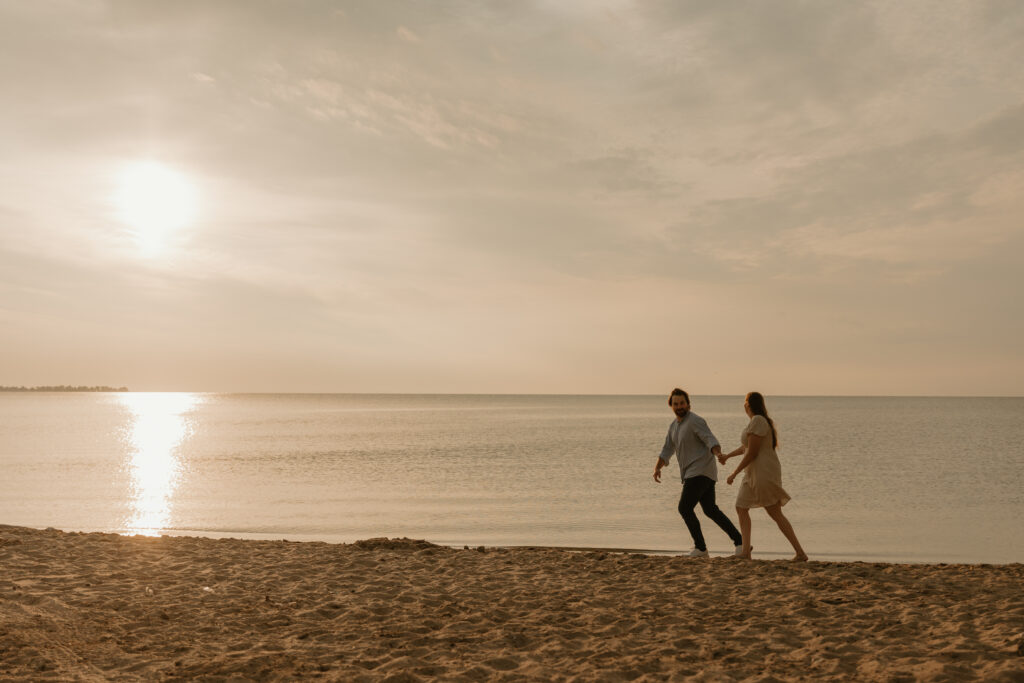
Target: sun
[154,201]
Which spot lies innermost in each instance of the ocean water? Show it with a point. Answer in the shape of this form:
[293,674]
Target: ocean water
[873,479]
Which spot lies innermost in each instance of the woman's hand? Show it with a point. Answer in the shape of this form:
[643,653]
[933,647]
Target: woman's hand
[730,479]
[722,457]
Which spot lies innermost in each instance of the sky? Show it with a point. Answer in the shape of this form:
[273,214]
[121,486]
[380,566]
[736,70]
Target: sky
[799,198]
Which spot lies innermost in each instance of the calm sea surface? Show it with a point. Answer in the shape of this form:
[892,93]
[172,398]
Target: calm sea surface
[879,479]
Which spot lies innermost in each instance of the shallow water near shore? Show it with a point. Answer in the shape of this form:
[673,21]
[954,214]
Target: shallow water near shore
[878,479]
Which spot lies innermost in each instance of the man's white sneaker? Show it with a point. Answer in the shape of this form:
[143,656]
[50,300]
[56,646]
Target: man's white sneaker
[698,553]
[738,552]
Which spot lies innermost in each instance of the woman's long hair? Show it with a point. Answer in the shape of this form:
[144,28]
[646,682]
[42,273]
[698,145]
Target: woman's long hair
[756,402]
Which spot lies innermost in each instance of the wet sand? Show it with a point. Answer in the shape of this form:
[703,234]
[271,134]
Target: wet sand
[97,607]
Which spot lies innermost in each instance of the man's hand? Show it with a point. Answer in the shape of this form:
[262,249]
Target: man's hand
[657,469]
[722,457]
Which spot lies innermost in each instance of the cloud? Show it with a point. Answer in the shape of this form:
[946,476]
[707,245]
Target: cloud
[404,160]
[407,35]
[923,205]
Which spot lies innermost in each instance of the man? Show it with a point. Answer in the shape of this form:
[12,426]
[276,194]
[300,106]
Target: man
[690,440]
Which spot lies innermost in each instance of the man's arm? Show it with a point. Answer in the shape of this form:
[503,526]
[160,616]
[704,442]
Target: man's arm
[703,432]
[657,470]
[666,455]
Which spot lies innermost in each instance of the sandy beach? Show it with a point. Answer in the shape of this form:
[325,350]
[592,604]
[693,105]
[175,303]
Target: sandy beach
[76,606]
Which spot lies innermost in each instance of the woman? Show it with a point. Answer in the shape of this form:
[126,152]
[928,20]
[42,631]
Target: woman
[762,481]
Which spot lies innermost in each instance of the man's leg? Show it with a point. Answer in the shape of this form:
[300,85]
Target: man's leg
[707,504]
[693,490]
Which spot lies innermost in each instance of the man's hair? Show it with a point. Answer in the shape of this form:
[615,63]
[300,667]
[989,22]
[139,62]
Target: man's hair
[678,392]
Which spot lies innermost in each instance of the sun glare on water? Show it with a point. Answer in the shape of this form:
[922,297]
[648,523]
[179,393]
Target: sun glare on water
[154,201]
[159,424]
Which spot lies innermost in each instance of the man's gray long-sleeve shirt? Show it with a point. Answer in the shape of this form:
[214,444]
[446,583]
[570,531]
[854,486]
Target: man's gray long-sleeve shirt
[691,441]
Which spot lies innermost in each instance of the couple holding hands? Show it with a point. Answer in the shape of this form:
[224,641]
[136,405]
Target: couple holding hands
[691,442]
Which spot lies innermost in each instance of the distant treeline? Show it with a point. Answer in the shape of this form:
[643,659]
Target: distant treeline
[63,387]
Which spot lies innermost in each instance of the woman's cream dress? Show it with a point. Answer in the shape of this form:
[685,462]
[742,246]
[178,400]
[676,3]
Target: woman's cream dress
[762,479]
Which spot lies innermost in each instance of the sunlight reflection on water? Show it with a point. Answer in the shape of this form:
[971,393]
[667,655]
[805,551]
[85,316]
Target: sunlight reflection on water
[159,425]
[509,470]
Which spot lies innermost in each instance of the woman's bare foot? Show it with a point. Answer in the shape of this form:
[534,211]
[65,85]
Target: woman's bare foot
[799,558]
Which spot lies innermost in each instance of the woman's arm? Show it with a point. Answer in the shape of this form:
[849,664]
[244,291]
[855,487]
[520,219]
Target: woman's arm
[730,454]
[753,448]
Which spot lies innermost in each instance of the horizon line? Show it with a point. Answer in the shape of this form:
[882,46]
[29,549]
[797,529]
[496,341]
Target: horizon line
[42,389]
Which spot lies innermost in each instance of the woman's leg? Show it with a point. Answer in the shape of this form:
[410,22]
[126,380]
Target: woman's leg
[745,528]
[775,512]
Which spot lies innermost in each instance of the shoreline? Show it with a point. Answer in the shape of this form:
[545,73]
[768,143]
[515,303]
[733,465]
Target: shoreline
[92,606]
[760,555]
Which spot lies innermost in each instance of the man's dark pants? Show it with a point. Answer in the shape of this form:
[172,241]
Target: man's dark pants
[702,490]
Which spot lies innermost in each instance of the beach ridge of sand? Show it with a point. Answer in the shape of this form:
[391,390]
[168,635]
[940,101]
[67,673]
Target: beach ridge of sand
[92,606]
